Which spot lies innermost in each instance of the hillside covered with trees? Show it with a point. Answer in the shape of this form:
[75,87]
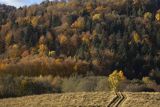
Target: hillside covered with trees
[80,36]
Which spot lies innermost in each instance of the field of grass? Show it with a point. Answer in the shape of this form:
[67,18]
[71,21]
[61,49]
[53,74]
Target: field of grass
[60,100]
[96,99]
[143,99]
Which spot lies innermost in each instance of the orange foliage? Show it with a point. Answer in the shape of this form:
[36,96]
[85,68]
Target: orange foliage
[63,39]
[35,66]
[43,49]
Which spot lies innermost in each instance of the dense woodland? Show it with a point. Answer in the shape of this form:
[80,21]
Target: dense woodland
[81,36]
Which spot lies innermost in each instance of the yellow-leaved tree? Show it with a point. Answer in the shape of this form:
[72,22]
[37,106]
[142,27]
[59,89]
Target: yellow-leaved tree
[158,15]
[147,15]
[86,37]
[136,37]
[115,78]
[8,38]
[79,23]
[97,17]
[35,21]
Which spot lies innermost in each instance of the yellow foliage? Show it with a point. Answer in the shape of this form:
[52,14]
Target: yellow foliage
[34,21]
[61,5]
[52,53]
[136,37]
[115,78]
[86,38]
[75,67]
[158,16]
[147,80]
[148,15]
[15,46]
[58,61]
[8,39]
[121,75]
[89,6]
[97,17]
[73,4]
[79,24]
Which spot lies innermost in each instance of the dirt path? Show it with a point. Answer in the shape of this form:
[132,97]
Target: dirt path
[118,100]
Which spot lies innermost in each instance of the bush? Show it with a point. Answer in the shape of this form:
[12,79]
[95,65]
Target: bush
[87,84]
[138,88]
[9,87]
[102,84]
[70,84]
[29,87]
[134,86]
[19,86]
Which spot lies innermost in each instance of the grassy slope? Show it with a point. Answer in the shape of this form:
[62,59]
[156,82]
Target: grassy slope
[142,100]
[60,100]
[82,99]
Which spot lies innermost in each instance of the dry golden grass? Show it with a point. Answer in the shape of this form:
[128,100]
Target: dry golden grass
[96,99]
[143,99]
[92,99]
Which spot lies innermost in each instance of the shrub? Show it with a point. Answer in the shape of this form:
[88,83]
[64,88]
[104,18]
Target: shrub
[137,86]
[87,84]
[102,84]
[70,84]
[8,87]
[147,80]
[29,87]
[19,86]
